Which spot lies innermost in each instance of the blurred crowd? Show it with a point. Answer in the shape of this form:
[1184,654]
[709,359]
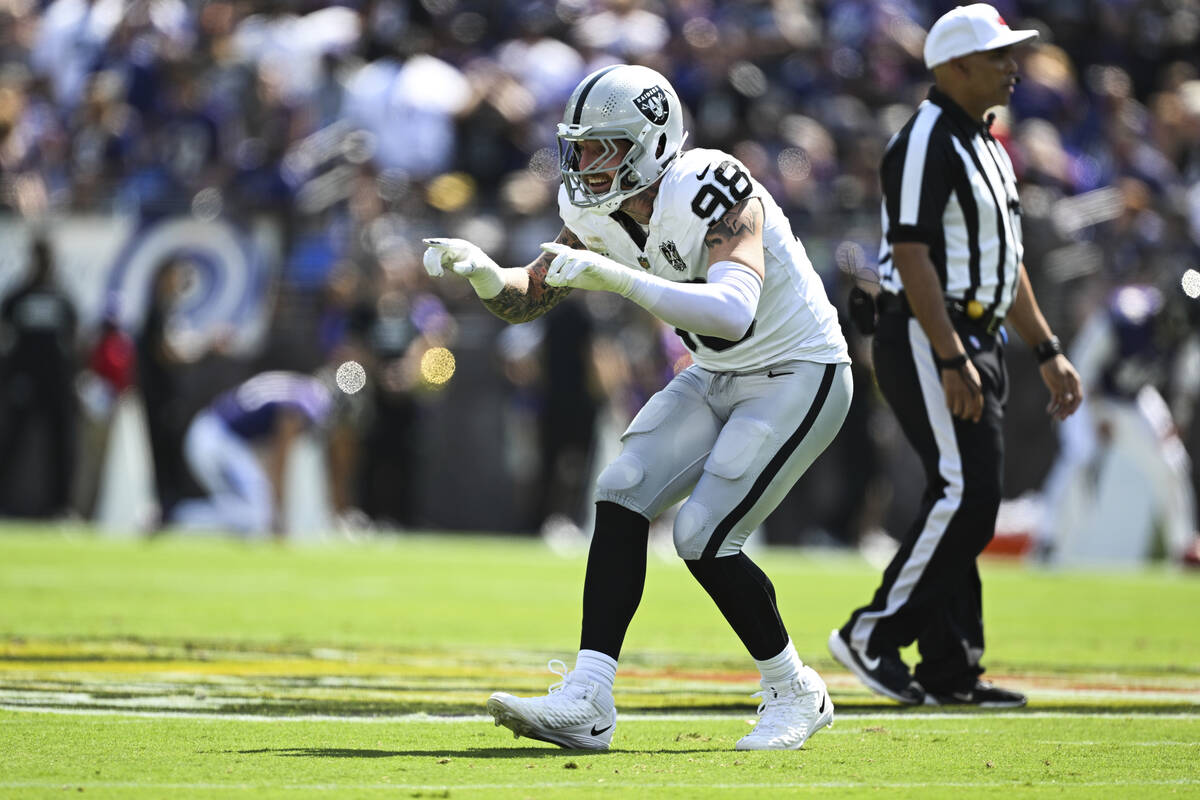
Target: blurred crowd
[355,128]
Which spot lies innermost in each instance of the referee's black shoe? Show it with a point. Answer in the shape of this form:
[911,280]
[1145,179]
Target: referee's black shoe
[983,694]
[886,674]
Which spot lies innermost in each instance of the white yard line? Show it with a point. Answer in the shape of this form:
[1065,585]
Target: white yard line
[895,717]
[601,783]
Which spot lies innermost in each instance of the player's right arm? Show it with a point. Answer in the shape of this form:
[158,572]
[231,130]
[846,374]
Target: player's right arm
[514,294]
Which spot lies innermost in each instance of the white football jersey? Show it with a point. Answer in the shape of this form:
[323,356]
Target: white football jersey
[794,320]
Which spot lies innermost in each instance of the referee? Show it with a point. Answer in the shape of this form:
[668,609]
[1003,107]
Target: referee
[951,273]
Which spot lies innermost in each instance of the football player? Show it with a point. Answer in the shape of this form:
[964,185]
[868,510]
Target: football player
[268,411]
[694,239]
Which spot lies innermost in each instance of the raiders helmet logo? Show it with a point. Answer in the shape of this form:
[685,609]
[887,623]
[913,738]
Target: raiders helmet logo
[653,105]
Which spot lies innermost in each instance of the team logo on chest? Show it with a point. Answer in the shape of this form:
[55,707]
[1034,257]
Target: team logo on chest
[671,254]
[653,105]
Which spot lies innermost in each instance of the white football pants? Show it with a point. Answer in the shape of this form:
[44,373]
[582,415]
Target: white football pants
[735,442]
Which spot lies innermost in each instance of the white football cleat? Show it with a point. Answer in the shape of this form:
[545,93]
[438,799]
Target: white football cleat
[577,714]
[790,713]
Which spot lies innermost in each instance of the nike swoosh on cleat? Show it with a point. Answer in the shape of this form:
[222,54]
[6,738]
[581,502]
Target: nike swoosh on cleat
[602,730]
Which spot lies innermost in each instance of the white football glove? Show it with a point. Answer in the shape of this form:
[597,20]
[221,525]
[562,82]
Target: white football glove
[583,269]
[467,260]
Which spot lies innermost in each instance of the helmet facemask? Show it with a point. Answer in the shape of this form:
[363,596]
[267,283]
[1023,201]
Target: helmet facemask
[626,180]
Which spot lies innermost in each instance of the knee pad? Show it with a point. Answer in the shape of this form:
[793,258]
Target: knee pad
[735,449]
[691,524]
[657,409]
[622,474]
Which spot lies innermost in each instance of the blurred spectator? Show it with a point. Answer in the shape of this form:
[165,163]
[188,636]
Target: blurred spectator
[407,321]
[625,29]
[107,376]
[159,363]
[546,67]
[567,418]
[70,40]
[292,47]
[1123,476]
[27,131]
[347,316]
[105,132]
[37,391]
[407,100]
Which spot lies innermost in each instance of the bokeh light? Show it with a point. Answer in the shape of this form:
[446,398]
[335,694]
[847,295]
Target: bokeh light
[701,33]
[748,79]
[794,164]
[1191,283]
[207,204]
[450,192]
[350,377]
[437,366]
[544,164]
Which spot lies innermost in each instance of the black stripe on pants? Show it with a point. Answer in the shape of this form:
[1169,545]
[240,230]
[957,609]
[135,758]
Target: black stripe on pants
[773,466]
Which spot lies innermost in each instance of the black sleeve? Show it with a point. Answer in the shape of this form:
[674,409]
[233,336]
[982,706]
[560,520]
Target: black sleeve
[918,218]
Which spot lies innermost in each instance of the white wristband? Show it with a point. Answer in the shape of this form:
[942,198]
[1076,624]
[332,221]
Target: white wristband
[724,307]
[487,281]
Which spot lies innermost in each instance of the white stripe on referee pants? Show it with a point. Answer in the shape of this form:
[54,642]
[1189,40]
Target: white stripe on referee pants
[950,469]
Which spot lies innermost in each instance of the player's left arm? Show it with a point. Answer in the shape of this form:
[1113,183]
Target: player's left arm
[1058,373]
[737,237]
[723,307]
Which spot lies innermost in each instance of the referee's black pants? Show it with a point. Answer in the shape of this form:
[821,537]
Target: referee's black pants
[931,591]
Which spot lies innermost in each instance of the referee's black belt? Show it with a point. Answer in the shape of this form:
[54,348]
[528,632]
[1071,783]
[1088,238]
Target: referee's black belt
[971,312]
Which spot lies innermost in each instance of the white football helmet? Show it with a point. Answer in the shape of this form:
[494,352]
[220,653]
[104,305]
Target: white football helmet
[614,105]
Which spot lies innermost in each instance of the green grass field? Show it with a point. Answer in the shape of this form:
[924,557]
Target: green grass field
[213,668]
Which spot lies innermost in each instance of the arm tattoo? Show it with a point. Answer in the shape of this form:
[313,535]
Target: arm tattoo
[521,305]
[746,217]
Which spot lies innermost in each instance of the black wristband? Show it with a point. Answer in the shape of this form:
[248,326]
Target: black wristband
[1048,349]
[954,362]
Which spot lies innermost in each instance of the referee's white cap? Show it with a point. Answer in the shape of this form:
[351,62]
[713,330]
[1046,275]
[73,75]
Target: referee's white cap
[969,29]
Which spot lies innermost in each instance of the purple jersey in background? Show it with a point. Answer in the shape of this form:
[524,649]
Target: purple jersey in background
[250,410]
[1144,341]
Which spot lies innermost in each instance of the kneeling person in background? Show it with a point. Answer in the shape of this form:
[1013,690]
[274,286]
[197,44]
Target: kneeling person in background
[269,411]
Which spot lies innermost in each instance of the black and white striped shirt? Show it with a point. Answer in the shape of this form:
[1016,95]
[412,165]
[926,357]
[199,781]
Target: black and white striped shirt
[948,184]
